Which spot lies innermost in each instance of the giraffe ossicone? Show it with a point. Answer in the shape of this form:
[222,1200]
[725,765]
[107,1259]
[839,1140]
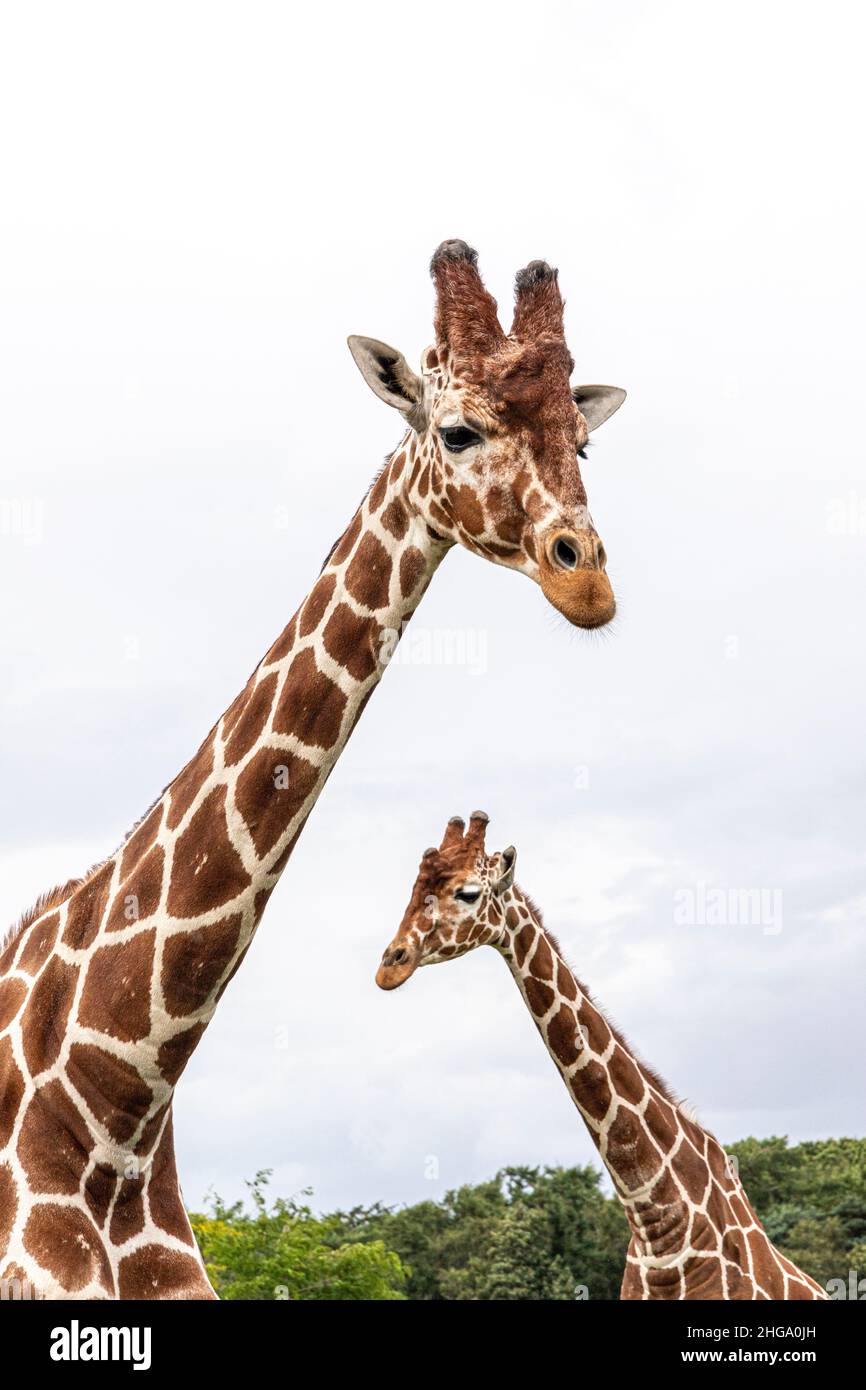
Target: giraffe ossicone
[108,984]
[694,1233]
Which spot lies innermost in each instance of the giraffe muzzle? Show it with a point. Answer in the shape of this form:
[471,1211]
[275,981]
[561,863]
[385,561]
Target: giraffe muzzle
[398,963]
[573,579]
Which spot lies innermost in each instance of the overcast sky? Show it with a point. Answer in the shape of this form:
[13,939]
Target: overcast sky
[198,204]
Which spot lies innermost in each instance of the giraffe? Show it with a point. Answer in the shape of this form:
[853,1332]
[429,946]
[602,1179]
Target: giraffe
[694,1234]
[108,983]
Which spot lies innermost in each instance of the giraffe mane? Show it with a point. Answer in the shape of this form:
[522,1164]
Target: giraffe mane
[373,481]
[52,897]
[55,897]
[655,1079]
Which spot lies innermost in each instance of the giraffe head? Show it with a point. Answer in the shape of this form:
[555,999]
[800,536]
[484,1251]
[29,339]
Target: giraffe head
[456,904]
[499,429]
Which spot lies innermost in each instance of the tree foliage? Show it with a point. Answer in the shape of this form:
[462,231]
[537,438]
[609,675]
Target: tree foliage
[811,1198]
[283,1251]
[529,1233]
[526,1234]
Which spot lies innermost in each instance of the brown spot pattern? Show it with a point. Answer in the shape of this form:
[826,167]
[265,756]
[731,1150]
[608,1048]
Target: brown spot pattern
[282,646]
[561,1034]
[38,943]
[111,1088]
[591,1090]
[154,1272]
[186,787]
[378,490]
[467,509]
[540,996]
[565,981]
[311,705]
[207,870]
[662,1121]
[8,1204]
[411,570]
[353,641]
[314,608]
[176,1052]
[127,1219]
[542,960]
[11,1090]
[251,721]
[43,1022]
[86,908]
[369,573]
[693,1176]
[12,994]
[267,805]
[99,1188]
[395,519]
[166,1206]
[66,1243]
[54,1144]
[627,1080]
[346,543]
[194,962]
[522,943]
[116,994]
[138,897]
[140,840]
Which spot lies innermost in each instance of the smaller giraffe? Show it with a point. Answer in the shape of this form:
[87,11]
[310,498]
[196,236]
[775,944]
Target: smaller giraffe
[694,1233]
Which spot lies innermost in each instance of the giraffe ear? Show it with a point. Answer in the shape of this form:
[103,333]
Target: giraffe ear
[389,376]
[597,403]
[507,861]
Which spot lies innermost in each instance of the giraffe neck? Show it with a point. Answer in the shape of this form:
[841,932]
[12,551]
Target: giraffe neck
[246,795]
[140,953]
[694,1232]
[107,991]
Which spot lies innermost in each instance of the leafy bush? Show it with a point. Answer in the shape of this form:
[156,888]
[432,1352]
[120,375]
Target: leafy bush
[285,1252]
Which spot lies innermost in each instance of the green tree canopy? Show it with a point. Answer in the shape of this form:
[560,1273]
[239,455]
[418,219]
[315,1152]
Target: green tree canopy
[285,1252]
[526,1234]
[811,1198]
[450,1247]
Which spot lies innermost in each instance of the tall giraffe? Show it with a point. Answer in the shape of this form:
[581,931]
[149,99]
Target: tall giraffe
[694,1234]
[107,985]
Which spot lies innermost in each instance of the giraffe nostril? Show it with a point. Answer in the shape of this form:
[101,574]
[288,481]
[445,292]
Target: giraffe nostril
[398,957]
[564,554]
[601,556]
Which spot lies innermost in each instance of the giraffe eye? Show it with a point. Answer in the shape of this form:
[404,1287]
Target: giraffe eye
[456,438]
[467,895]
